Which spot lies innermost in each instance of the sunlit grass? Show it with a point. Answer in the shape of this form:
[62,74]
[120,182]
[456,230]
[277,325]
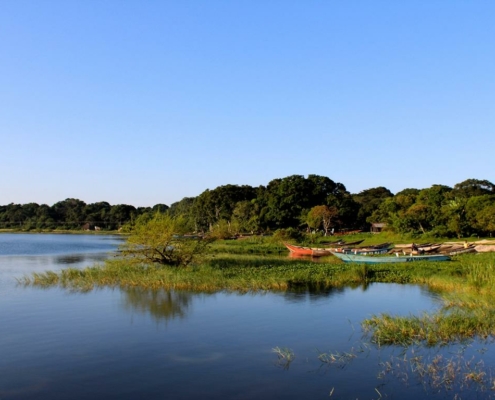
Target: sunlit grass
[468,290]
[220,273]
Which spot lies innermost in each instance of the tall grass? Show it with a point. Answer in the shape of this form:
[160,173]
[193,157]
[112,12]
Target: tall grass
[468,288]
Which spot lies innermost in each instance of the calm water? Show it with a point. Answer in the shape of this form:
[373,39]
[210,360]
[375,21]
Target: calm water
[142,344]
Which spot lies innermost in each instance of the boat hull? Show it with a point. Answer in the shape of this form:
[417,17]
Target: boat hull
[360,259]
[307,251]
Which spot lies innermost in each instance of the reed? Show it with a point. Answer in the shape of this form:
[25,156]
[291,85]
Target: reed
[284,356]
[454,374]
[468,289]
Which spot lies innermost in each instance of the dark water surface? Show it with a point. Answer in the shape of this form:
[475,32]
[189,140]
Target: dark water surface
[143,344]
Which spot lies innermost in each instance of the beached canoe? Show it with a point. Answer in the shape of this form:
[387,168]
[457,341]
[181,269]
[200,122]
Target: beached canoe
[307,251]
[362,259]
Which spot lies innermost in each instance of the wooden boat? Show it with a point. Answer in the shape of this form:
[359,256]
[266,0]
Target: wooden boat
[307,251]
[317,251]
[410,245]
[424,249]
[366,250]
[354,243]
[381,248]
[339,242]
[462,250]
[362,259]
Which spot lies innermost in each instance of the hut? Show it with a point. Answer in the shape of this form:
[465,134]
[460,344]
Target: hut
[377,227]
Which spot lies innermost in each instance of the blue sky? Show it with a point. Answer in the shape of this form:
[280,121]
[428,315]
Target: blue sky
[146,102]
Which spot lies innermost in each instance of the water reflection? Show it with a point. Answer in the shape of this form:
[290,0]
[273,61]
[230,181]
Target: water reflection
[80,258]
[313,294]
[160,304]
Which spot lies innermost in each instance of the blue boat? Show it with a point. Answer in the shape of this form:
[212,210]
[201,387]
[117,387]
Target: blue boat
[361,259]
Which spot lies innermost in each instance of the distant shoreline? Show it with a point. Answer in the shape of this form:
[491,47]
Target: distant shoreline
[61,231]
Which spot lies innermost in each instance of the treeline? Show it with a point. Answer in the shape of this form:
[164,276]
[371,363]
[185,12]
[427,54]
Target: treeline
[294,202]
[71,214]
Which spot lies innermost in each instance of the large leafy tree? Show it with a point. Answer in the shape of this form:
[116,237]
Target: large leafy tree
[44,217]
[182,207]
[286,200]
[12,216]
[70,213]
[480,214]
[472,188]
[97,213]
[485,219]
[246,215]
[427,209]
[393,211]
[218,204]
[370,200]
[120,214]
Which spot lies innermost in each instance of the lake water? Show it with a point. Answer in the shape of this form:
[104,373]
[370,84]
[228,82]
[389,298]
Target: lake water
[143,344]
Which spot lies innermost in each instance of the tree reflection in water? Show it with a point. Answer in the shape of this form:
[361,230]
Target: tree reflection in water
[79,258]
[160,304]
[315,293]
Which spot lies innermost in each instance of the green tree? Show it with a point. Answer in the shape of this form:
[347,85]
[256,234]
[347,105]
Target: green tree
[246,214]
[486,219]
[121,214]
[12,216]
[161,240]
[69,213]
[370,200]
[418,215]
[286,199]
[217,204]
[322,216]
[480,214]
[97,214]
[455,215]
[473,187]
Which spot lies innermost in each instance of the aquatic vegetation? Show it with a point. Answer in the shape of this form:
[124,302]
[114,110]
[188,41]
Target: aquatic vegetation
[284,356]
[341,359]
[436,372]
[468,290]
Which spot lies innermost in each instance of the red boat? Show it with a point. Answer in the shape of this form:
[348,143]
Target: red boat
[307,251]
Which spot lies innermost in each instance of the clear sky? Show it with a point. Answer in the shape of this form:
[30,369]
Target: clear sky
[146,102]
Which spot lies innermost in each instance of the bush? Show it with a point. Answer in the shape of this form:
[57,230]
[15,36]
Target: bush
[163,240]
[282,235]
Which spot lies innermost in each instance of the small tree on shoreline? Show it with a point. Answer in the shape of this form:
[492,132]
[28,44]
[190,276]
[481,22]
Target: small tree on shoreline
[322,215]
[163,240]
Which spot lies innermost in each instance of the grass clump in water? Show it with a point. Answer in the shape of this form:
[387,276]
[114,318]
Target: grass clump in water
[468,289]
[284,356]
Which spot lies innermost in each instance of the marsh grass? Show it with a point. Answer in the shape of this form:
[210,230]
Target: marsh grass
[220,273]
[339,359]
[467,286]
[456,373]
[284,356]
